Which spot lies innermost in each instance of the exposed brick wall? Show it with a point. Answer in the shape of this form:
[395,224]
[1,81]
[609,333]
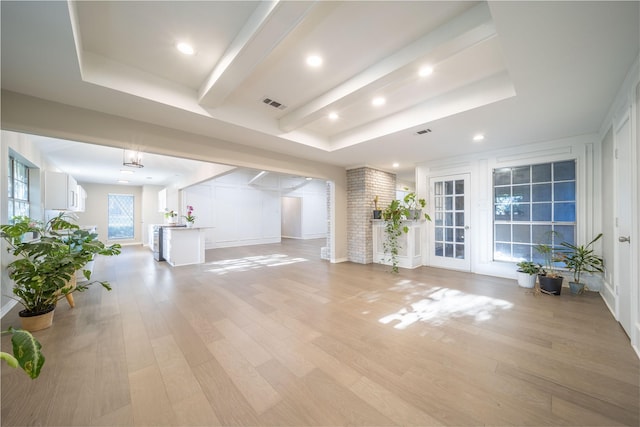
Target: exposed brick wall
[363,185]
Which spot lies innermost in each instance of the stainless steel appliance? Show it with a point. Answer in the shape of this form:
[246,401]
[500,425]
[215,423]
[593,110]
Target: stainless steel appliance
[157,243]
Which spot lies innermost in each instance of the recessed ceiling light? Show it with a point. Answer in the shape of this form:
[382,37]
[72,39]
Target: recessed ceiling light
[123,181]
[185,48]
[425,71]
[396,165]
[314,61]
[378,101]
[308,178]
[126,172]
[478,137]
[333,116]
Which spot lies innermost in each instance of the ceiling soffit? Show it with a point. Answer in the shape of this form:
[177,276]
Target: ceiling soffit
[243,47]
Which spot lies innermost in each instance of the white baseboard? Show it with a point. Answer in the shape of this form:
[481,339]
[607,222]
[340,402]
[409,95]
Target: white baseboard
[339,260]
[7,307]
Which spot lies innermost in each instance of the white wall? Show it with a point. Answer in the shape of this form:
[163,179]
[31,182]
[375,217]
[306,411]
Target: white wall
[291,217]
[237,211]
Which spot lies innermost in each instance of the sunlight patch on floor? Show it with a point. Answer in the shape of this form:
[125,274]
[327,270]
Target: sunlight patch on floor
[251,263]
[441,304]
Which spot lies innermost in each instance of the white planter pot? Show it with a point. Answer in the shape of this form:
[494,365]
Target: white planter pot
[526,280]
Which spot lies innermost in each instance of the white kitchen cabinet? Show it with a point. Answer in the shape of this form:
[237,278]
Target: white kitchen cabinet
[183,246]
[61,191]
[82,199]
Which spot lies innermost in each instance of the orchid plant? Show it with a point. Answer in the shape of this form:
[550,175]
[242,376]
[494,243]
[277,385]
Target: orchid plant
[189,217]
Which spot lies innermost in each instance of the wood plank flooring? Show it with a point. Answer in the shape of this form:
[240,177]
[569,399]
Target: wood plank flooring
[271,335]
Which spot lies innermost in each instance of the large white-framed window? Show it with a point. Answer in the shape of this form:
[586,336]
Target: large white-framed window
[533,204]
[18,188]
[121,216]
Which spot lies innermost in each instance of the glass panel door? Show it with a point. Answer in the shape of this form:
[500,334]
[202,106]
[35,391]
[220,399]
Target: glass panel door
[450,229]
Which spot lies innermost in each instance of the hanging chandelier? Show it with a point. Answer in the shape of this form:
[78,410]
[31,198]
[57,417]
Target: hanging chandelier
[131,158]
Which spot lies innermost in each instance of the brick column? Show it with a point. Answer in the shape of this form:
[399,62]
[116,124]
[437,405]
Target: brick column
[363,185]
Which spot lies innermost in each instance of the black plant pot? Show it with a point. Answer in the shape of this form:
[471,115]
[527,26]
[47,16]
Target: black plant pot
[377,214]
[552,285]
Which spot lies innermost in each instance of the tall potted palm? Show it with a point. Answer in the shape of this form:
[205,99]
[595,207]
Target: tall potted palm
[46,260]
[581,259]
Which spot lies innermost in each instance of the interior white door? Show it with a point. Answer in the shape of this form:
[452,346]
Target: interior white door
[449,231]
[622,263]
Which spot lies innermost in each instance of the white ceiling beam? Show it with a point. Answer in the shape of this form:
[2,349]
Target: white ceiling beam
[268,25]
[464,31]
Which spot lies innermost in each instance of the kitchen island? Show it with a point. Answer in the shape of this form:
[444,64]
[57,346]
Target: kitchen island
[182,245]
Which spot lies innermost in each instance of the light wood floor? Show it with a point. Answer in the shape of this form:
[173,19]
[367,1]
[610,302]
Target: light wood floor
[271,335]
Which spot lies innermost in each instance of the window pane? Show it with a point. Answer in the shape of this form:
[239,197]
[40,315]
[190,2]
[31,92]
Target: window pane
[521,193]
[522,252]
[460,219]
[439,234]
[460,251]
[448,188]
[448,203]
[121,210]
[564,212]
[503,252]
[565,233]
[502,194]
[541,212]
[460,203]
[521,175]
[503,232]
[448,234]
[541,173]
[564,171]
[460,235]
[439,249]
[522,233]
[564,191]
[448,219]
[502,177]
[460,186]
[541,192]
[448,250]
[438,188]
[502,212]
[541,234]
[521,212]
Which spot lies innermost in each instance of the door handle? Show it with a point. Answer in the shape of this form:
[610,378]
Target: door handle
[623,239]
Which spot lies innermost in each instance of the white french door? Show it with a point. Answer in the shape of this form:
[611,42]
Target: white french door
[449,229]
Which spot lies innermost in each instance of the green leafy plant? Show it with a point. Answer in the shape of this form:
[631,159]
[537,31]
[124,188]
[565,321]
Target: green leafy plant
[581,259]
[393,216]
[529,267]
[26,352]
[47,256]
[550,255]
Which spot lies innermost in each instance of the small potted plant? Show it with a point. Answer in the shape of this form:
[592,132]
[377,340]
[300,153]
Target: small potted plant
[170,216]
[581,259]
[549,278]
[189,217]
[46,260]
[412,208]
[527,273]
[377,213]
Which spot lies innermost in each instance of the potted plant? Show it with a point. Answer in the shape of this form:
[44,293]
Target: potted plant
[171,216]
[377,213]
[46,260]
[527,273]
[581,259]
[393,216]
[413,207]
[549,278]
[189,217]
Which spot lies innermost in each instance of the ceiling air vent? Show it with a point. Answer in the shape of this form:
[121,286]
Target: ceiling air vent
[423,131]
[273,103]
